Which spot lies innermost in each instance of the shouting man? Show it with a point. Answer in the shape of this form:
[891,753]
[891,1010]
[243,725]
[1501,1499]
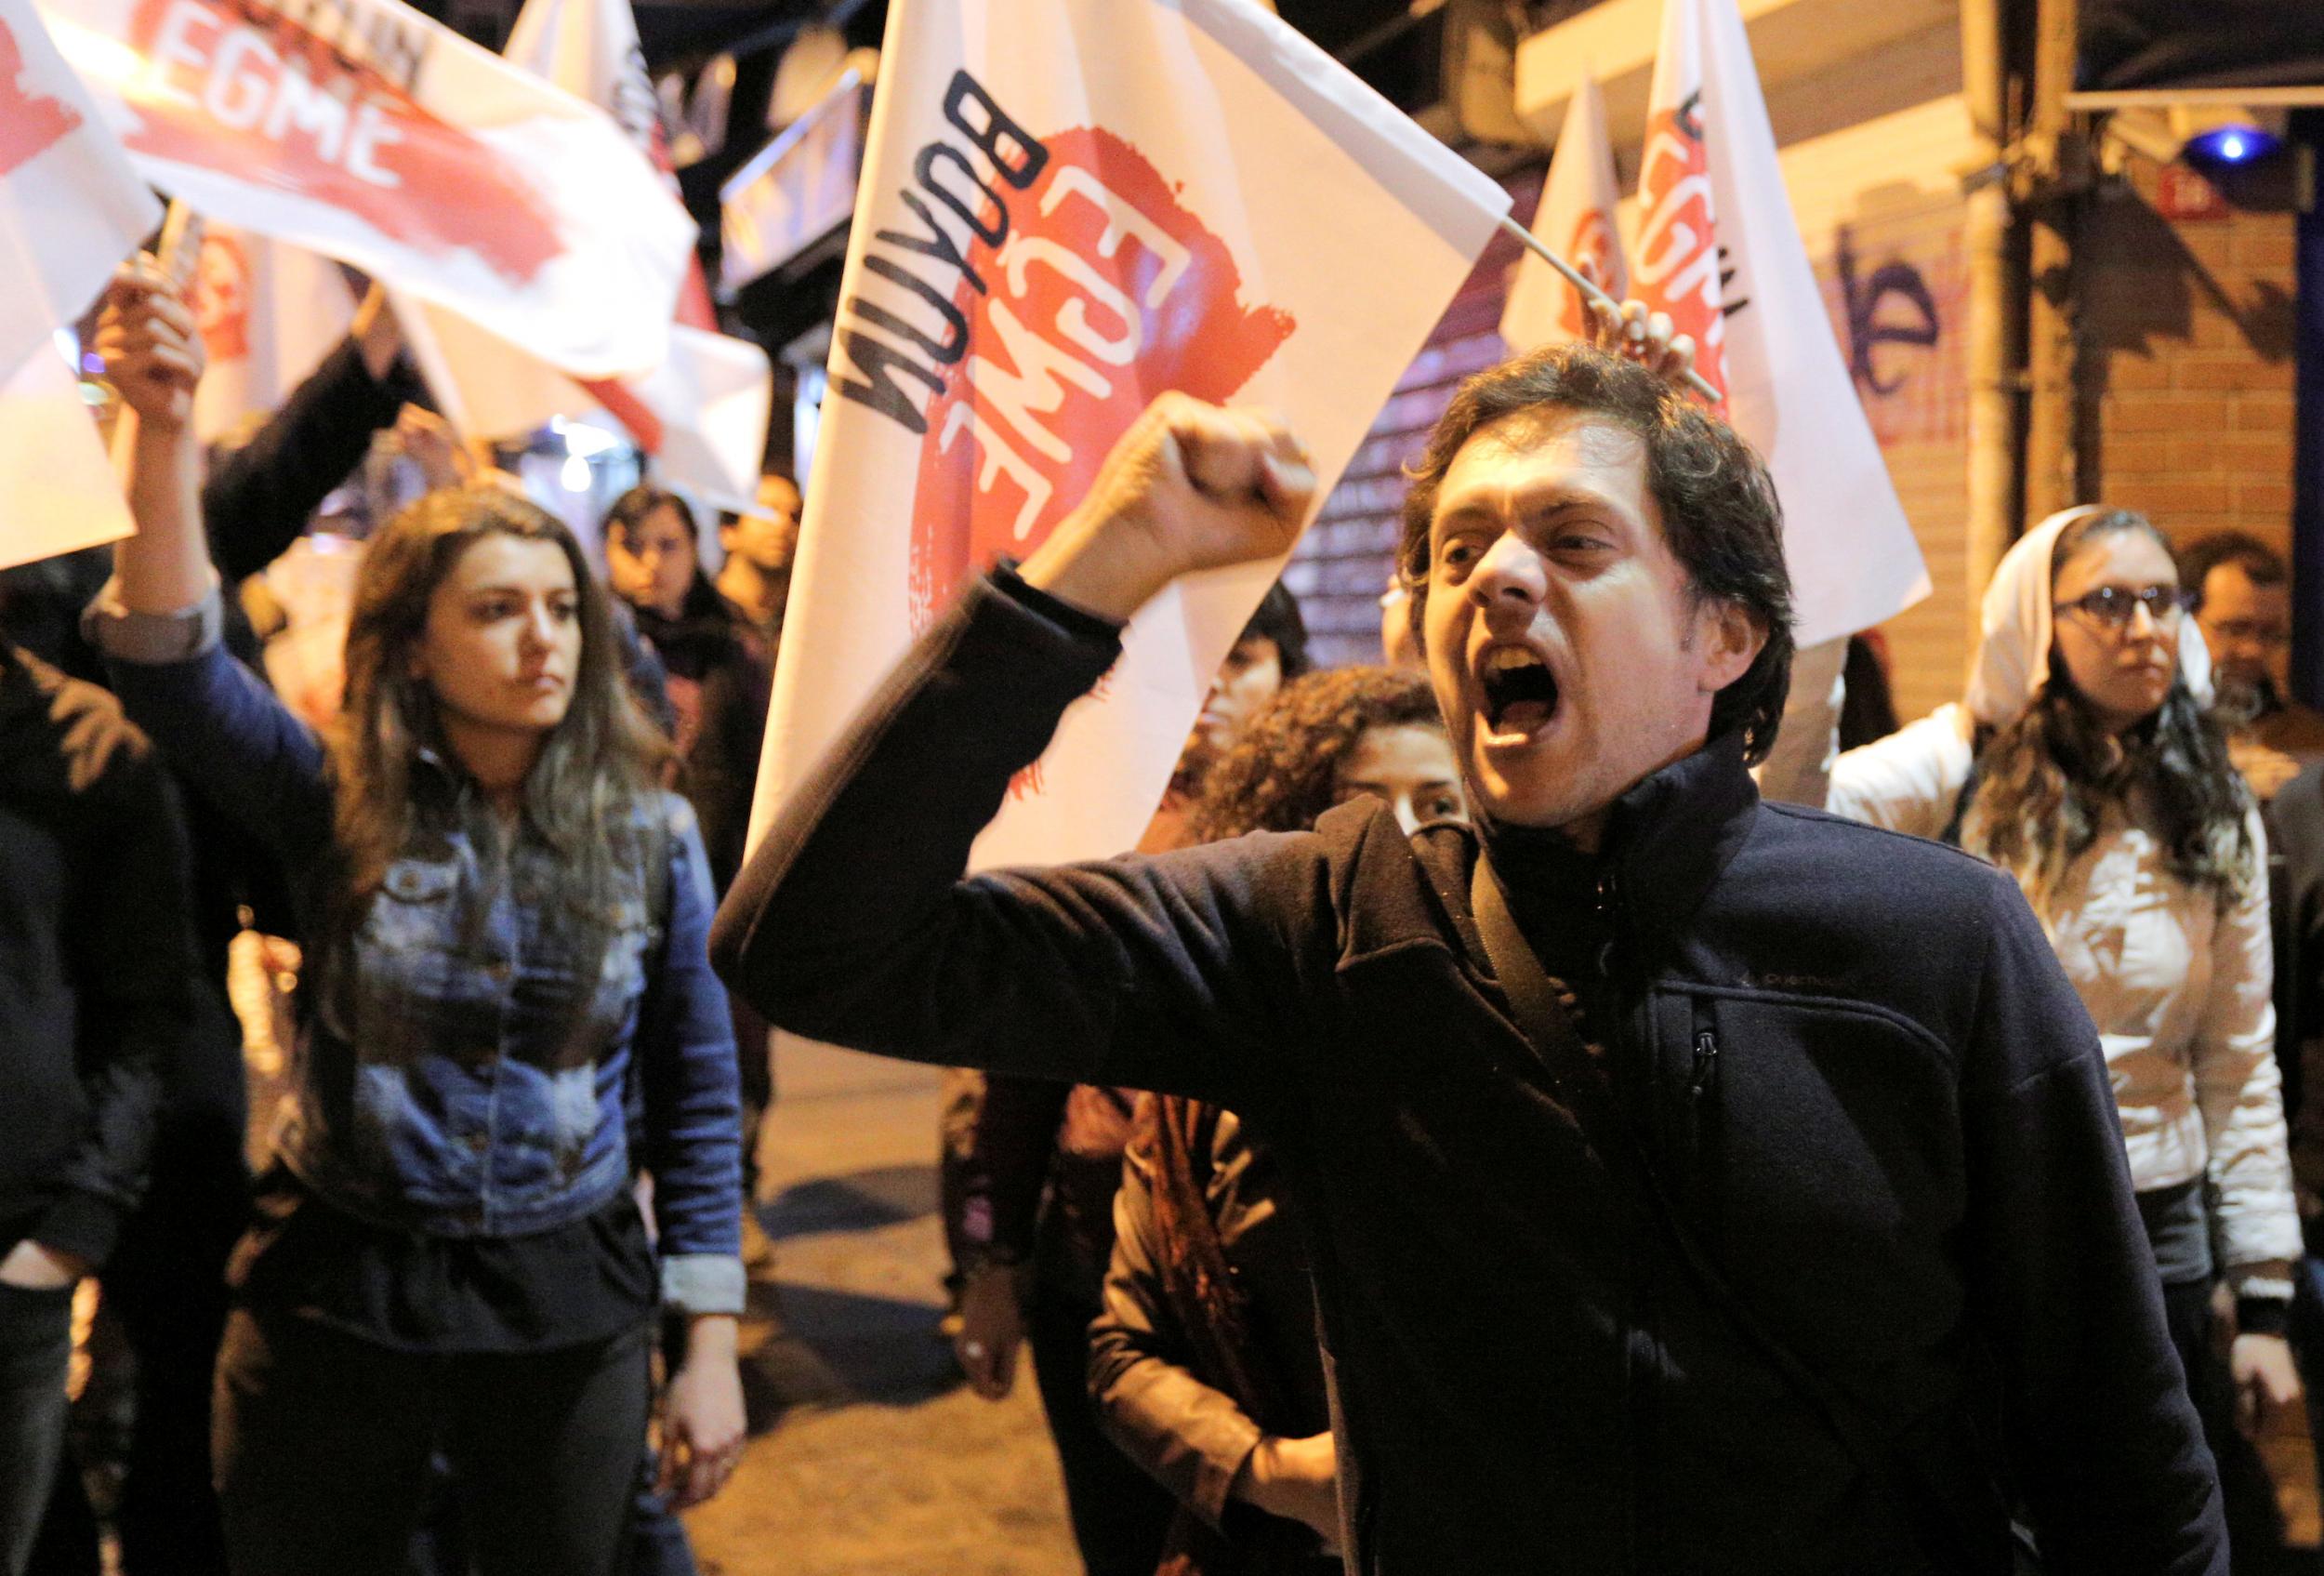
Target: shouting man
[1811,1250]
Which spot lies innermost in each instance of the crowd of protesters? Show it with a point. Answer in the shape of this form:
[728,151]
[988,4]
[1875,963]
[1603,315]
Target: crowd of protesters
[1478,1129]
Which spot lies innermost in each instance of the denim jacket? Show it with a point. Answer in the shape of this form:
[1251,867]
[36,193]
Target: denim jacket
[465,1054]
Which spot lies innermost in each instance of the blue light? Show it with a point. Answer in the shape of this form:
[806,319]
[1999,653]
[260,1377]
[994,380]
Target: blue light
[2231,145]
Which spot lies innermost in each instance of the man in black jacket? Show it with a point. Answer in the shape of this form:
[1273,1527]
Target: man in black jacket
[1826,1255]
[97,992]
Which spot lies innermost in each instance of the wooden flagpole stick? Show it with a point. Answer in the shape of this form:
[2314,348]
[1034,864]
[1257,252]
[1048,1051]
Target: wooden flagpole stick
[178,252]
[1591,294]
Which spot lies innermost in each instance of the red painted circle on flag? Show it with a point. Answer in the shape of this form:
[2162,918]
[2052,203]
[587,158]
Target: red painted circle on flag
[1107,290]
[30,122]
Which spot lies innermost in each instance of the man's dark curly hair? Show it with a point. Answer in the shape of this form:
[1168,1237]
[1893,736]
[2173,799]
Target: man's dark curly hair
[1717,505]
[2263,564]
[1285,770]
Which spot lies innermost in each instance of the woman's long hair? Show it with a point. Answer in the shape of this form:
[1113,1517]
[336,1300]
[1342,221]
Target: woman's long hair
[1279,776]
[597,765]
[1285,770]
[2046,780]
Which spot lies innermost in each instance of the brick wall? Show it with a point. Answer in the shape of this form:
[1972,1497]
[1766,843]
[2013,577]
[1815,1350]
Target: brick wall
[2190,330]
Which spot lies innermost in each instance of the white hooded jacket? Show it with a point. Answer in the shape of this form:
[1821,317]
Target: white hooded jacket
[2178,983]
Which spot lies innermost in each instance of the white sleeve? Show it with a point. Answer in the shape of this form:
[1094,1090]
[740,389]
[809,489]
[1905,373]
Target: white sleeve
[1909,781]
[2239,1090]
[1798,769]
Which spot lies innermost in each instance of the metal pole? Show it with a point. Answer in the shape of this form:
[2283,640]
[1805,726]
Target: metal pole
[2053,417]
[1595,297]
[2307,507]
[1993,309]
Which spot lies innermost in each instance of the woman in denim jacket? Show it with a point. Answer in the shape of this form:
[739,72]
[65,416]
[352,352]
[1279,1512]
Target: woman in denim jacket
[507,1012]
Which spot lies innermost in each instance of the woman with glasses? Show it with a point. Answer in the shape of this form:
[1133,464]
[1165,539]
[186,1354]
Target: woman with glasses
[2086,762]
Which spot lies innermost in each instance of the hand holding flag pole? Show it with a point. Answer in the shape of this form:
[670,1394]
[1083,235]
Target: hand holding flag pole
[175,254]
[1601,303]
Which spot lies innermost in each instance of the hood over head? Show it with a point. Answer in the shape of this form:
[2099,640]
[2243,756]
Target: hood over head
[2013,652]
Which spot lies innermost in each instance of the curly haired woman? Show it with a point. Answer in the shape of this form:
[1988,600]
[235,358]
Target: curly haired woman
[1029,1169]
[1204,1366]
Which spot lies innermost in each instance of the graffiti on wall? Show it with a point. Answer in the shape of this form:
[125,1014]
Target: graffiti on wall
[1897,315]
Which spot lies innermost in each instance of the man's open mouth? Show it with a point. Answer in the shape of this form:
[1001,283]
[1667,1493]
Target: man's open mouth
[1520,692]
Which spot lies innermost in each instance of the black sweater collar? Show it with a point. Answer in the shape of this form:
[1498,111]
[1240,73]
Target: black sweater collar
[1669,836]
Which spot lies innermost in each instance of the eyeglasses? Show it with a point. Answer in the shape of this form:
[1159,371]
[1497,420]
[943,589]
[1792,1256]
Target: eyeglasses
[2115,606]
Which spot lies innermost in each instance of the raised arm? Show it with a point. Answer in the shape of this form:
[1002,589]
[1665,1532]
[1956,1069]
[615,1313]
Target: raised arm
[158,620]
[153,353]
[853,923]
[260,496]
[1911,780]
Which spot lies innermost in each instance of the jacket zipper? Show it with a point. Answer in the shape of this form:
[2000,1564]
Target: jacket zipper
[1637,1384]
[1609,898]
[1705,1068]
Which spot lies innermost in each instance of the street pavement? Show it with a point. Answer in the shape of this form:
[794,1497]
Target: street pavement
[867,1453]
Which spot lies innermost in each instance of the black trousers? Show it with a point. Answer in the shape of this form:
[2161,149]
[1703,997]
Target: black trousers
[2255,1531]
[323,1441]
[167,1281]
[1119,1514]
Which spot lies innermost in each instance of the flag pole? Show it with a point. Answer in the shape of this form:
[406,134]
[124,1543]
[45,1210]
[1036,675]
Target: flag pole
[177,252]
[1593,294]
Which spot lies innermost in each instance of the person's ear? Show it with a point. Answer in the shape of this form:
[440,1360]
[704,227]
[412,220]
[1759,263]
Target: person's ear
[1729,638]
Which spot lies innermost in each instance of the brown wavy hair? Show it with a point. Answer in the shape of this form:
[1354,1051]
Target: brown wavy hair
[599,766]
[1284,771]
[1720,513]
[2045,781]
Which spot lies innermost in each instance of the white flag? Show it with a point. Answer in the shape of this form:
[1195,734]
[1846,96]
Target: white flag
[367,132]
[70,207]
[1717,249]
[269,313]
[63,493]
[1576,220]
[1069,206]
[794,190]
[702,414]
